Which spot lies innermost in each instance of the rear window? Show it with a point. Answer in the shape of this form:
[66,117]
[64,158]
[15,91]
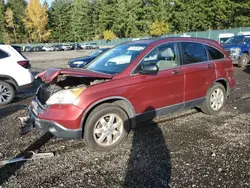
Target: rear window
[18,49]
[3,54]
[193,53]
[214,53]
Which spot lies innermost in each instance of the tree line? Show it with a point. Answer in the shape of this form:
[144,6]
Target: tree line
[83,20]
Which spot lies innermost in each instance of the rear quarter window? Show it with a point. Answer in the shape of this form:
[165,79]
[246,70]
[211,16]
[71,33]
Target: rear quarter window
[193,53]
[3,54]
[214,53]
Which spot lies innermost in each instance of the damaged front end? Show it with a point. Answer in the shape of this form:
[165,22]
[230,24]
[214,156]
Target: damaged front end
[53,109]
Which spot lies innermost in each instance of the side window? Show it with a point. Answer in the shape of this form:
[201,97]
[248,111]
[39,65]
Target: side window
[214,53]
[3,54]
[165,56]
[193,53]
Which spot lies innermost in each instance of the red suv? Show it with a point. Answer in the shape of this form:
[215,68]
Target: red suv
[132,82]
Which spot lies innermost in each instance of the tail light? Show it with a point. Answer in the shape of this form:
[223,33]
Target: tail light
[25,64]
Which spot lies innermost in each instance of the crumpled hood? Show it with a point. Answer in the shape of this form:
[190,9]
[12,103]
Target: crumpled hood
[50,74]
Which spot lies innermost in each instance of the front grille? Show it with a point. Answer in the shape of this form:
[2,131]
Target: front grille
[43,94]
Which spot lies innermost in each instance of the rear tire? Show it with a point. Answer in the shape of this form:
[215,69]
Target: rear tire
[7,93]
[106,127]
[215,100]
[244,59]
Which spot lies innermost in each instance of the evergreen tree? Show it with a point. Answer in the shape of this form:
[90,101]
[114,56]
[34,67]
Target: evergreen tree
[61,18]
[81,20]
[1,20]
[18,8]
[127,22]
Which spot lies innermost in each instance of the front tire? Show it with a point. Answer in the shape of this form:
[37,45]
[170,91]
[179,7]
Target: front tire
[106,127]
[244,59]
[215,100]
[7,93]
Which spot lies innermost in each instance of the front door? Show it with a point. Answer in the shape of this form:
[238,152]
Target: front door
[161,93]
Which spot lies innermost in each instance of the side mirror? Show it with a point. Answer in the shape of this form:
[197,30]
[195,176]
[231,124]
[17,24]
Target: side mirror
[149,69]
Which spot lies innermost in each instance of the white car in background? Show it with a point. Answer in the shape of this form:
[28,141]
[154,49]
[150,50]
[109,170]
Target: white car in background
[185,35]
[67,47]
[223,37]
[15,73]
[48,48]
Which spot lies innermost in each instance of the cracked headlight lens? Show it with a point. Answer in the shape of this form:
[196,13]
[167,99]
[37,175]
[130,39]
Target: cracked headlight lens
[65,96]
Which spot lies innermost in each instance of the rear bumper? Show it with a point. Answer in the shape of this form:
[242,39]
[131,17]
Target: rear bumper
[54,128]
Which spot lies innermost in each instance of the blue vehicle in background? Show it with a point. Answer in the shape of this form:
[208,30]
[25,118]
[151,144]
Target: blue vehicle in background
[238,48]
[80,62]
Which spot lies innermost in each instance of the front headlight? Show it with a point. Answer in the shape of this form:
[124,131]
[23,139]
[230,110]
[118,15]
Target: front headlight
[65,96]
[78,62]
[235,51]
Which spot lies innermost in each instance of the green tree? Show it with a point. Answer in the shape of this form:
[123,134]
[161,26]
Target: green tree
[36,21]
[159,28]
[240,13]
[81,27]
[103,14]
[9,22]
[128,21]
[1,20]
[18,8]
[61,18]
[108,35]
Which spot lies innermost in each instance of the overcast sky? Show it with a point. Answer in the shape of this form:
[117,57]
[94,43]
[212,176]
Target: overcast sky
[49,1]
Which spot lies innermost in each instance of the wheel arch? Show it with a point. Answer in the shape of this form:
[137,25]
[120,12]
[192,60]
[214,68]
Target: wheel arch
[225,83]
[245,52]
[9,80]
[122,102]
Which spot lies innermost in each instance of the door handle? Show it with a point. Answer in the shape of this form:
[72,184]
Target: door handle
[176,72]
[209,66]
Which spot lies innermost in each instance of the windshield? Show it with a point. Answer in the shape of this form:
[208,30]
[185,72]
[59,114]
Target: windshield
[223,40]
[96,53]
[117,59]
[238,40]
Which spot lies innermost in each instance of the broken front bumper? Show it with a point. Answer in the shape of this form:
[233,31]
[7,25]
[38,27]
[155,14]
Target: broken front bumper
[53,127]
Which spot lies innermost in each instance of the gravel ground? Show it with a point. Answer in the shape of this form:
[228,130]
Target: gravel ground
[44,60]
[188,149]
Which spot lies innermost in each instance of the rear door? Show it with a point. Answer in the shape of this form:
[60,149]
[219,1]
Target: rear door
[199,72]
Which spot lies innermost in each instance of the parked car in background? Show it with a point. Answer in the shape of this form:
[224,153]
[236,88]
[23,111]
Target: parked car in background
[238,47]
[103,101]
[185,35]
[58,48]
[77,47]
[223,37]
[89,46]
[93,46]
[37,49]
[244,33]
[27,48]
[80,62]
[15,73]
[67,47]
[84,46]
[48,48]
